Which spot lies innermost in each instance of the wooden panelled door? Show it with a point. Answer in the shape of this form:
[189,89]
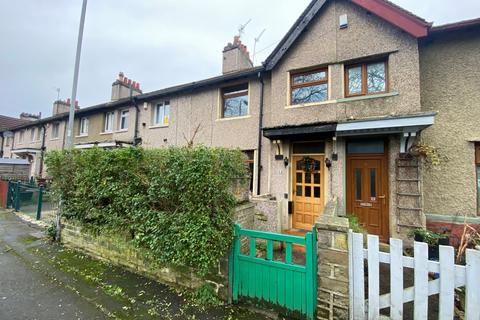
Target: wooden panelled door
[367,192]
[308,193]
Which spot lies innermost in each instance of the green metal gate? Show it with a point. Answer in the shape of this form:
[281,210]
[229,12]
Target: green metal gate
[282,282]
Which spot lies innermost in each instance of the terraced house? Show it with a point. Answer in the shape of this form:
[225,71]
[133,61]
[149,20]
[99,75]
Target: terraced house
[326,122]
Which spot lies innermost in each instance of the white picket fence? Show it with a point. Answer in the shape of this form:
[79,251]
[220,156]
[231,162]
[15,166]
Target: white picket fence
[451,276]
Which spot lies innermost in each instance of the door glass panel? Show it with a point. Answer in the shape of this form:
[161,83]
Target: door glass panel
[299,165]
[365,146]
[309,147]
[316,165]
[316,178]
[299,191]
[308,178]
[299,177]
[316,192]
[308,191]
[358,184]
[373,182]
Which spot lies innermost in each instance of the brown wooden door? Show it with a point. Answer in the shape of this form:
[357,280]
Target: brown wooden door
[367,194]
[308,193]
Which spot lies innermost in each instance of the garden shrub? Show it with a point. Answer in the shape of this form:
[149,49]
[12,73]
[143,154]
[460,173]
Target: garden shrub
[176,203]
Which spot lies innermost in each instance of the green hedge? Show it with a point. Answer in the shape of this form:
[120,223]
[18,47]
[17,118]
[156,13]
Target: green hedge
[174,202]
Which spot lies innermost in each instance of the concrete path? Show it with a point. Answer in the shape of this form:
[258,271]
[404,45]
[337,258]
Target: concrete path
[40,280]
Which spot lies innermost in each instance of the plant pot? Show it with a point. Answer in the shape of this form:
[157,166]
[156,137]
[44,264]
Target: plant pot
[433,252]
[444,241]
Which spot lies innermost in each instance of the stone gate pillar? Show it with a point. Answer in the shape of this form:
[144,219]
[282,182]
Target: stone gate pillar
[332,247]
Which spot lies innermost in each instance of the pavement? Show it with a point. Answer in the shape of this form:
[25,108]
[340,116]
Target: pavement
[41,280]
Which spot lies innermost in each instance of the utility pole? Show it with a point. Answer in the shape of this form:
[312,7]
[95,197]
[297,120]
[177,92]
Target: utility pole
[75,78]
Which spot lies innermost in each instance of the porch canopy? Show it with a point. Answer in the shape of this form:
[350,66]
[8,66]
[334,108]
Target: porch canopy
[386,125]
[26,151]
[318,130]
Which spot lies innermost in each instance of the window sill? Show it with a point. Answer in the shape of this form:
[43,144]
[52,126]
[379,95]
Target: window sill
[106,132]
[234,118]
[158,126]
[54,139]
[367,97]
[121,130]
[310,104]
[81,135]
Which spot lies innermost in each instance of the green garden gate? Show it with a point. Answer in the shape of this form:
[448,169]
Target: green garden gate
[281,282]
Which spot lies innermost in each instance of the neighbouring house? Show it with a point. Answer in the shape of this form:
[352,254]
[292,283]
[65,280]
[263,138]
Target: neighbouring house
[329,118]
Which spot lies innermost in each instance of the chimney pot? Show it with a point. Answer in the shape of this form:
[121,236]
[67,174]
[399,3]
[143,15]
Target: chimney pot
[68,101]
[134,84]
[129,82]
[125,80]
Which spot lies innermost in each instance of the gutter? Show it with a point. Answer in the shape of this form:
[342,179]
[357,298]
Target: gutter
[260,127]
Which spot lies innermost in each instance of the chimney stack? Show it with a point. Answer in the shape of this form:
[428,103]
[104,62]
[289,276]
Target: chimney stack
[30,116]
[61,106]
[236,56]
[124,87]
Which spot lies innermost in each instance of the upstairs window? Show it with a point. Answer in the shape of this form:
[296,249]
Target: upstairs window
[32,134]
[7,141]
[310,86]
[83,126]
[39,133]
[20,136]
[366,78]
[55,130]
[235,101]
[161,114]
[124,120]
[109,121]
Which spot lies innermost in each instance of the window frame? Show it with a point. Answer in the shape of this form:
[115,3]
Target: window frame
[55,132]
[308,84]
[106,117]
[121,118]
[238,93]
[161,105]
[81,128]
[364,74]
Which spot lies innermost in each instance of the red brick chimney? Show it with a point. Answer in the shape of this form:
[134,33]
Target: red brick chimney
[236,56]
[124,87]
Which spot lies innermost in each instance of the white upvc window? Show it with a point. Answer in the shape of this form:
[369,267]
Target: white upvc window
[55,130]
[109,121]
[83,126]
[32,134]
[161,115]
[124,120]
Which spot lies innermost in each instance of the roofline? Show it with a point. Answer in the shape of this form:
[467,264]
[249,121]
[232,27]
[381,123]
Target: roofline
[384,9]
[454,26]
[248,73]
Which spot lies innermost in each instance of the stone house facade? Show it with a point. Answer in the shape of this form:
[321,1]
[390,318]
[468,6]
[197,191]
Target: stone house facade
[329,117]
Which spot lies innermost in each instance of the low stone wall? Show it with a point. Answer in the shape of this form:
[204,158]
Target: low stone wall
[117,250]
[332,248]
[266,215]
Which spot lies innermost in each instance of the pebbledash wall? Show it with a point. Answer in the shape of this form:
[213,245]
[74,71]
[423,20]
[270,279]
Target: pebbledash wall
[450,190]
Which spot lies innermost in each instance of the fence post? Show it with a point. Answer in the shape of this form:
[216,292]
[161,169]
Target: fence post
[9,194]
[39,204]
[17,196]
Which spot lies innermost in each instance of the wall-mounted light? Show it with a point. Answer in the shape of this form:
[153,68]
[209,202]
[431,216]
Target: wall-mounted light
[328,163]
[285,161]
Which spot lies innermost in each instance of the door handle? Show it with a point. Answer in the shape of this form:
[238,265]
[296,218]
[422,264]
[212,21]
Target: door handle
[383,198]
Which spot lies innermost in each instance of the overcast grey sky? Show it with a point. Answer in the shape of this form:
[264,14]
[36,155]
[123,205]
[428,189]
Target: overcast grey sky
[158,43]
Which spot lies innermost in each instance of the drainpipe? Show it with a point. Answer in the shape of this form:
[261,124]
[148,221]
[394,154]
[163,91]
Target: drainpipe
[260,126]
[136,139]
[42,150]
[1,147]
